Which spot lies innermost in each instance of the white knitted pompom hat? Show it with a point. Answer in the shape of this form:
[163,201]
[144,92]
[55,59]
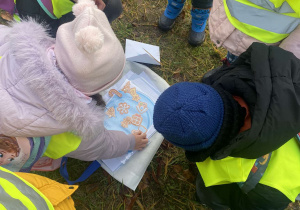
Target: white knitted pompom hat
[87,50]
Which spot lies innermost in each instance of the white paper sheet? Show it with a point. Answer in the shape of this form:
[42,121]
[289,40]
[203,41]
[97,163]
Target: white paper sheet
[141,52]
[131,173]
[141,85]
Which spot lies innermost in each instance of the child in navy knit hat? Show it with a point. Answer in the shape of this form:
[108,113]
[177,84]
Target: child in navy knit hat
[196,104]
[238,125]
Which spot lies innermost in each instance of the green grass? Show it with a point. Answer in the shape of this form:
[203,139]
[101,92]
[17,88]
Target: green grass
[169,182]
[180,61]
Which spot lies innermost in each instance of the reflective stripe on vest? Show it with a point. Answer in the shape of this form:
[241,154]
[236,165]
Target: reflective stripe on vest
[17,193]
[267,25]
[48,9]
[56,8]
[280,7]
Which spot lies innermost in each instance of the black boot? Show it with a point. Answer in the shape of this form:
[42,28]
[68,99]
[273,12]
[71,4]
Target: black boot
[167,19]
[197,33]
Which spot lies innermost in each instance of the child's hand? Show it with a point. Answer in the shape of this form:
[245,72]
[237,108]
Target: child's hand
[100,4]
[140,140]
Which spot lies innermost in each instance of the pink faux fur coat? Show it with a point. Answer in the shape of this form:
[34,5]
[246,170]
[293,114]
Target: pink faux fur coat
[36,99]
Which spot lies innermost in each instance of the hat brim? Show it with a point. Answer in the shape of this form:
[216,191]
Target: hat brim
[107,85]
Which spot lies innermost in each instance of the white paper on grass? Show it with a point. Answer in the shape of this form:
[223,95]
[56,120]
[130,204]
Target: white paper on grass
[141,52]
[131,173]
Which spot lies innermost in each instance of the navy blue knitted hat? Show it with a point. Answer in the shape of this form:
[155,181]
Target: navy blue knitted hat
[189,115]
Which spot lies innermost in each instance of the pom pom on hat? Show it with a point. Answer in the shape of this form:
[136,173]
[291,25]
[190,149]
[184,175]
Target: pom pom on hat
[87,50]
[189,115]
[89,39]
[82,5]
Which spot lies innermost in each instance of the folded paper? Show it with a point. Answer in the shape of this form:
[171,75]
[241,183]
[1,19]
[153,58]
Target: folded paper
[141,52]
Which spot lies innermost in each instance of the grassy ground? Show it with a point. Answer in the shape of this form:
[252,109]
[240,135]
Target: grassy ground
[169,180]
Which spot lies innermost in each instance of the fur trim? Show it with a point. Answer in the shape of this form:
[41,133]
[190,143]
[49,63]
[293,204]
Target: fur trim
[29,42]
[89,39]
[81,5]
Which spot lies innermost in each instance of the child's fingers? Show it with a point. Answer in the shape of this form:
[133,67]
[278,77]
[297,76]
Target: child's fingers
[138,132]
[143,144]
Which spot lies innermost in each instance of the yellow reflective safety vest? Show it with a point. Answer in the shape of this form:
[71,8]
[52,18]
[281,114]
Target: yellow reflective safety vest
[269,21]
[58,194]
[57,8]
[282,172]
[17,193]
[62,144]
[61,7]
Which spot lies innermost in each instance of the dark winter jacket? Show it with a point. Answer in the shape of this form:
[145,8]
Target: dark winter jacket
[268,79]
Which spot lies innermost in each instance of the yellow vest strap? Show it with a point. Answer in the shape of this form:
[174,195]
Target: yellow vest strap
[268,25]
[17,193]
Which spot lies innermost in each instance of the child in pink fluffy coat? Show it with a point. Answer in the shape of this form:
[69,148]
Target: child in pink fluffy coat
[51,86]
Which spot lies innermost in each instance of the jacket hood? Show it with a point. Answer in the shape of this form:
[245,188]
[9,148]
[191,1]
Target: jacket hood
[29,42]
[267,78]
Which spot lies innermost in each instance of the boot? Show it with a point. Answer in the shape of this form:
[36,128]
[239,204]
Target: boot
[197,33]
[173,9]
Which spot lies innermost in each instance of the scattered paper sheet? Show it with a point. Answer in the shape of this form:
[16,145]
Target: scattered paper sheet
[141,52]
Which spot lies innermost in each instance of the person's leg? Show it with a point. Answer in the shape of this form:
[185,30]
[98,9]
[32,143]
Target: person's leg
[200,12]
[113,9]
[215,197]
[173,9]
[32,9]
[263,197]
[202,4]
[221,197]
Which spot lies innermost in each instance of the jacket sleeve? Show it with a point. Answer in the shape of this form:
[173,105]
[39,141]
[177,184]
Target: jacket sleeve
[108,144]
[292,42]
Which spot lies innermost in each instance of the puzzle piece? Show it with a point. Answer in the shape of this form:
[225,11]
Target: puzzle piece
[134,95]
[126,121]
[136,119]
[143,130]
[142,107]
[126,87]
[123,108]
[111,112]
[114,91]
